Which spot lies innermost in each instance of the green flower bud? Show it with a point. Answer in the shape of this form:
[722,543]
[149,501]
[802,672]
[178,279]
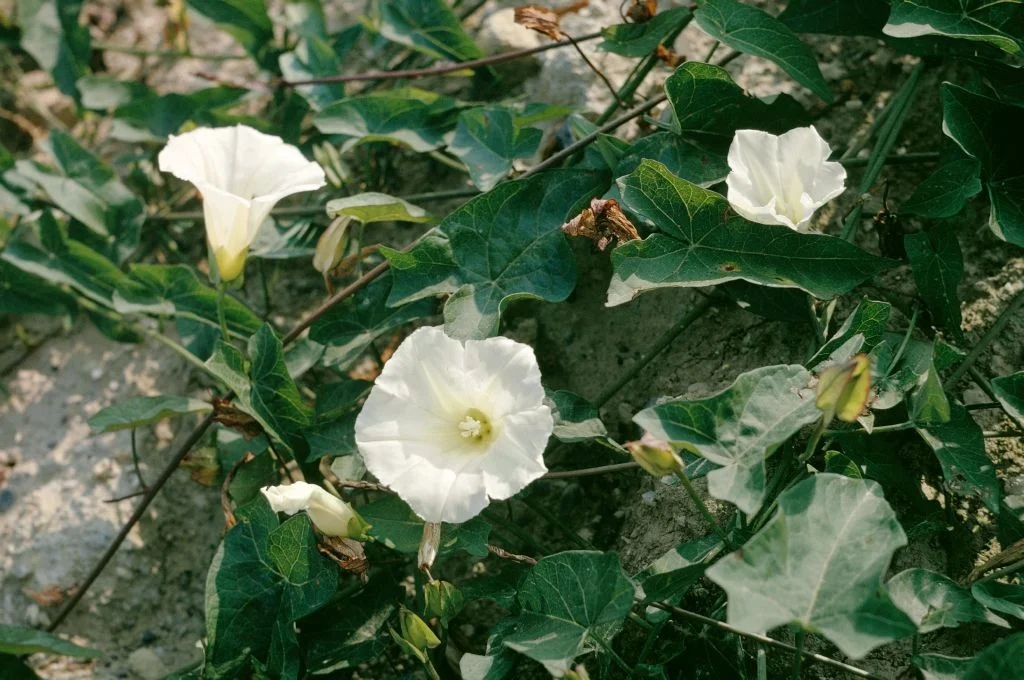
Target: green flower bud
[844,388]
[415,631]
[655,456]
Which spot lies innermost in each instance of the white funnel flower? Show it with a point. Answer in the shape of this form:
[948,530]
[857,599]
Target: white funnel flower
[448,424]
[242,174]
[782,179]
[331,515]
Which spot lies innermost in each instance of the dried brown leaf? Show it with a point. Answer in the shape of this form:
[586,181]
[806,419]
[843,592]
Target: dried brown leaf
[540,19]
[602,223]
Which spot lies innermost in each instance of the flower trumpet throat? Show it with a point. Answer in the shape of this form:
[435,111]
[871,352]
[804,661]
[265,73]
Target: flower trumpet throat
[449,424]
[241,174]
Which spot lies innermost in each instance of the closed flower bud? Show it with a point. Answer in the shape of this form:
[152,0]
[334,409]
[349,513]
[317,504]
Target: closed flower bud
[329,514]
[331,246]
[415,631]
[655,456]
[429,543]
[843,389]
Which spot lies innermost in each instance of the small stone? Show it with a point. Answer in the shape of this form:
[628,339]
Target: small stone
[146,664]
[648,497]
[35,617]
[96,373]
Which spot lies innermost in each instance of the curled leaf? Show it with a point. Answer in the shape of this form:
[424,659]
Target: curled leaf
[540,19]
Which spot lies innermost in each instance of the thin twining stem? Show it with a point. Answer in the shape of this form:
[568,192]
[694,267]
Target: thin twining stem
[441,69]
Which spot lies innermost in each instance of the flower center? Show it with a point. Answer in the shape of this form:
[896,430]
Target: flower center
[475,426]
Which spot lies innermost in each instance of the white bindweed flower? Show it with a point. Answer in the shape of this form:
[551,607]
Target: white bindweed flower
[331,515]
[449,424]
[242,174]
[782,179]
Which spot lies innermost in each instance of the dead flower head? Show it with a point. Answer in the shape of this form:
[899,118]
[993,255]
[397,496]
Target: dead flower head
[602,223]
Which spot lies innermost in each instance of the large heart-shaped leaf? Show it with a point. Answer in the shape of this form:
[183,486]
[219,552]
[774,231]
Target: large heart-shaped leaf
[570,600]
[706,101]
[348,329]
[139,411]
[960,447]
[700,244]
[502,245]
[264,577]
[935,601]
[427,26]
[262,386]
[938,266]
[1000,661]
[738,427]
[487,139]
[819,563]
[415,118]
[997,23]
[754,31]
[978,125]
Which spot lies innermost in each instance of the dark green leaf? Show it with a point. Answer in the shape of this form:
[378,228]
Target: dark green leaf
[263,578]
[497,662]
[700,245]
[738,428]
[819,563]
[914,378]
[13,668]
[351,631]
[349,329]
[934,601]
[313,57]
[53,35]
[66,262]
[416,118]
[262,386]
[670,576]
[840,464]
[396,526]
[978,125]
[1007,598]
[139,411]
[939,667]
[706,101]
[1002,661]
[683,159]
[960,447]
[576,419]
[488,139]
[246,21]
[641,39]
[569,600]
[502,245]
[20,640]
[90,191]
[754,31]
[836,17]
[1009,390]
[334,430]
[175,290]
[427,26]
[870,320]
[938,267]
[945,192]
[252,476]
[24,293]
[997,23]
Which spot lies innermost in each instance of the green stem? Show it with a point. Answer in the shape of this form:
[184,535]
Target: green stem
[587,472]
[812,443]
[990,335]
[716,528]
[896,427]
[798,653]
[1003,571]
[664,341]
[222,291]
[894,159]
[903,344]
[615,657]
[888,133]
[135,462]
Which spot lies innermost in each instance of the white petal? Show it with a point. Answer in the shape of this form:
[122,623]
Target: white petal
[329,514]
[753,161]
[517,457]
[504,373]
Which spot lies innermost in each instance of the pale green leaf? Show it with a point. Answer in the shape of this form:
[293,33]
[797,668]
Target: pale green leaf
[372,206]
[1009,390]
[999,23]
[427,26]
[1007,598]
[819,564]
[411,117]
[933,601]
[488,139]
[738,428]
[139,411]
[20,640]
